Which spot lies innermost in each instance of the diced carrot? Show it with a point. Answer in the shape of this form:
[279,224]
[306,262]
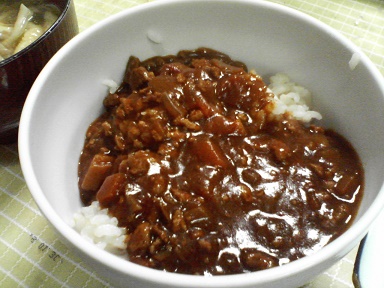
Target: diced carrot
[110,188]
[100,167]
[209,152]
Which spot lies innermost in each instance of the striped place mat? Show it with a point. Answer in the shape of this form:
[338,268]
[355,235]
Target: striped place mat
[30,253]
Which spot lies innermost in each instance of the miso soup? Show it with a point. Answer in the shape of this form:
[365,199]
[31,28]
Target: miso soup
[22,23]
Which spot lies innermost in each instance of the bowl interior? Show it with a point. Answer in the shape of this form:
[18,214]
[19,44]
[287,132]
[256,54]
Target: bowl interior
[270,38]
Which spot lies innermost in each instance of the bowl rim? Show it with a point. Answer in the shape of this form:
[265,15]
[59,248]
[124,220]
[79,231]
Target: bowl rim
[40,39]
[357,231]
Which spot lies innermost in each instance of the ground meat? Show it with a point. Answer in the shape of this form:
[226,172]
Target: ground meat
[205,179]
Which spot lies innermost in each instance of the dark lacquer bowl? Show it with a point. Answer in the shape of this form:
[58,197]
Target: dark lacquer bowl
[18,72]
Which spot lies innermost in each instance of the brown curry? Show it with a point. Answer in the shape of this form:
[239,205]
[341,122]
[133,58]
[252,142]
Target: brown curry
[191,160]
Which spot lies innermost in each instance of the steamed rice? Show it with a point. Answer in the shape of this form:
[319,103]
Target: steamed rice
[99,228]
[292,98]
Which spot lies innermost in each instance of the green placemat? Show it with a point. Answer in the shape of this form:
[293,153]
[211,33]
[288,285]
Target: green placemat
[30,253]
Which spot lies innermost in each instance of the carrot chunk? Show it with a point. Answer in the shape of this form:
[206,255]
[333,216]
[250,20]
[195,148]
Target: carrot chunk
[209,152]
[100,167]
[110,188]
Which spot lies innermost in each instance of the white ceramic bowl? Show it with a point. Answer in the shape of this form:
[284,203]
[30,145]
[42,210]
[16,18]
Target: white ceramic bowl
[271,38]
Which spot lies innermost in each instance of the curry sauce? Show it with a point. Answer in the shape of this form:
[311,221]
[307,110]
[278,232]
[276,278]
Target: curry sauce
[189,157]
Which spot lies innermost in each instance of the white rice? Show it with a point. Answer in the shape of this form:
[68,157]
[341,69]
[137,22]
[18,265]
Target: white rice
[112,85]
[99,228]
[355,60]
[292,98]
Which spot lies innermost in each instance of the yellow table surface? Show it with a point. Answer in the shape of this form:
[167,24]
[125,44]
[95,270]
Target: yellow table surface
[30,253]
